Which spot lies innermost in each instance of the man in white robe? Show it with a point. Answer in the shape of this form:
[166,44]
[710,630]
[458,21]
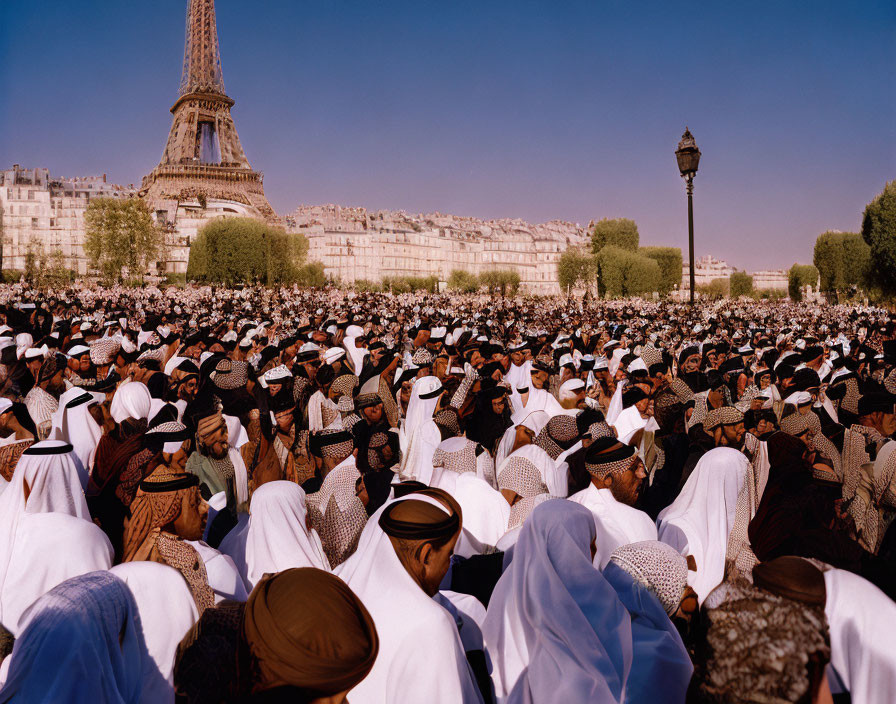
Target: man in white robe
[617,474]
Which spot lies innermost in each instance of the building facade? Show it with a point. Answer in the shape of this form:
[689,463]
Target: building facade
[355,244]
[43,215]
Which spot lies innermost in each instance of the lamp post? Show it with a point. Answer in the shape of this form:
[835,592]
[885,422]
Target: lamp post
[688,157]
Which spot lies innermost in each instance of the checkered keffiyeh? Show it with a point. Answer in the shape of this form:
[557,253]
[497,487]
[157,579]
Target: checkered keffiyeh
[337,514]
[345,385]
[798,423]
[522,477]
[422,357]
[104,350]
[726,415]
[558,435]
[656,566]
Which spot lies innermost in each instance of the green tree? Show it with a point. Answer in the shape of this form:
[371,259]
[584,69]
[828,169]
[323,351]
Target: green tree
[245,250]
[715,289]
[671,267]
[463,281]
[800,275]
[625,273]
[31,271]
[121,233]
[740,283]
[618,232]
[842,260]
[879,232]
[576,268]
[503,281]
[311,275]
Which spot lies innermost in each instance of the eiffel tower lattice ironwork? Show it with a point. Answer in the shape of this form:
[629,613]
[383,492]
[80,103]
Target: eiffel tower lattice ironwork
[203,157]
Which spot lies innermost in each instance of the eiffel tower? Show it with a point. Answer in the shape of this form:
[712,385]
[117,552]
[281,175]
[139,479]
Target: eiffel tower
[203,157]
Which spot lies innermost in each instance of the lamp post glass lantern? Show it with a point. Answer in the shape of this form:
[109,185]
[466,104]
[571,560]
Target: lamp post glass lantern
[688,156]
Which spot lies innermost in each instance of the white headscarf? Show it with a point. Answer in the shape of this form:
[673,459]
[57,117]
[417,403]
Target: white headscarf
[356,354]
[276,536]
[534,420]
[23,342]
[555,629]
[629,422]
[862,620]
[53,475]
[421,658]
[554,477]
[419,436]
[167,611]
[82,645]
[704,512]
[486,512]
[131,400]
[615,407]
[73,424]
[236,433]
[45,550]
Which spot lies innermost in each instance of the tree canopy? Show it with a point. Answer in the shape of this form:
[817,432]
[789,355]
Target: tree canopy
[801,275]
[245,250]
[503,281]
[842,260]
[121,234]
[626,273]
[617,232]
[463,281]
[740,283]
[671,267]
[576,268]
[879,232]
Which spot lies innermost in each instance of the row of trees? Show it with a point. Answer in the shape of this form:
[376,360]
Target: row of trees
[245,250]
[617,266]
[505,282]
[847,264]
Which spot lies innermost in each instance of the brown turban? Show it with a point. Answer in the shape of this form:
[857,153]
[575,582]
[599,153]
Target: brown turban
[157,503]
[418,520]
[322,650]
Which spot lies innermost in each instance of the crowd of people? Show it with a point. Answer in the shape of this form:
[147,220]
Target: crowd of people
[229,495]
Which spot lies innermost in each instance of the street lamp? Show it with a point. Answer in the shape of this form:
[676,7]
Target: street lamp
[688,159]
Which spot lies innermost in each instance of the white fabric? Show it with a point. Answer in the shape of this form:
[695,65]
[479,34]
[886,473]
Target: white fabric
[131,400]
[355,354]
[555,630]
[167,611]
[240,475]
[45,550]
[82,646]
[276,536]
[421,657]
[554,477]
[485,512]
[617,524]
[223,576]
[536,400]
[23,342]
[534,420]
[316,404]
[629,422]
[419,436]
[78,428]
[704,511]
[862,620]
[615,407]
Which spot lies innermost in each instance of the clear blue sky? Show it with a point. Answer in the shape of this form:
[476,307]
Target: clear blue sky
[538,110]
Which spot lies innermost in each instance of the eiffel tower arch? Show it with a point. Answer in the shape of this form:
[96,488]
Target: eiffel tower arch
[204,171]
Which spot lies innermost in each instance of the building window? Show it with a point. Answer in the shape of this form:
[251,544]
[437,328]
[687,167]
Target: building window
[30,194]
[33,222]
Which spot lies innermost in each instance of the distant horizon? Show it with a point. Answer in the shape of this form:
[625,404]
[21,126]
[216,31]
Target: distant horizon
[514,110]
